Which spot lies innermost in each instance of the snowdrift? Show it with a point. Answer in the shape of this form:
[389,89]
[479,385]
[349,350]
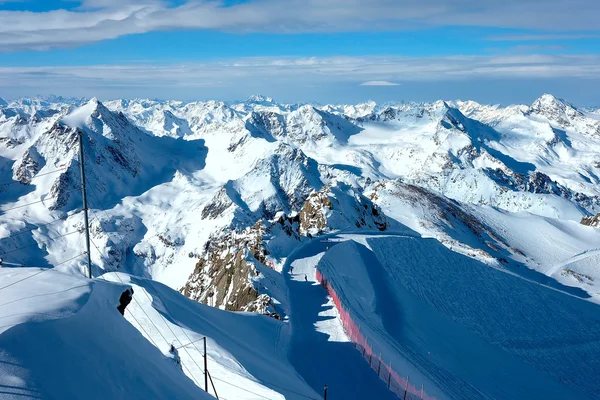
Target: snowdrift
[63,338]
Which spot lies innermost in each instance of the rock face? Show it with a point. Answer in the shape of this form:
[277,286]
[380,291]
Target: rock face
[313,216]
[28,166]
[591,221]
[224,274]
[228,274]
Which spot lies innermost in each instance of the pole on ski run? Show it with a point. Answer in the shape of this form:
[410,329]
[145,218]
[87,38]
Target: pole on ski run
[325,392]
[406,388]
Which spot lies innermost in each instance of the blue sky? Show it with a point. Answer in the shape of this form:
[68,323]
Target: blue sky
[302,50]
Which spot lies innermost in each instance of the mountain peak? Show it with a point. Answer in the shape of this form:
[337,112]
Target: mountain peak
[78,117]
[257,98]
[547,99]
[554,108]
[3,102]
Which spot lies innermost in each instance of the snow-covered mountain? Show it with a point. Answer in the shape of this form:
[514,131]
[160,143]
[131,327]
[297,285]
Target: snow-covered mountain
[215,199]
[169,180]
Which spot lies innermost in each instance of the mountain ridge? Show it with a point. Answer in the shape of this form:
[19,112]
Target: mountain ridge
[172,177]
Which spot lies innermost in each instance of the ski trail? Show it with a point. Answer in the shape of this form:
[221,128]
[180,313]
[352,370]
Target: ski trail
[319,349]
[578,257]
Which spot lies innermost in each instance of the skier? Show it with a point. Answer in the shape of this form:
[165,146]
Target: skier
[175,356]
[305,278]
[292,270]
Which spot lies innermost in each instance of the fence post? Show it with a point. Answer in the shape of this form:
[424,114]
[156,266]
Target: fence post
[325,392]
[379,366]
[390,375]
[406,388]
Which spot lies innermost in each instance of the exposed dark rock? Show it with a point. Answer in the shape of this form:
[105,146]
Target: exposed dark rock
[28,166]
[124,300]
[591,221]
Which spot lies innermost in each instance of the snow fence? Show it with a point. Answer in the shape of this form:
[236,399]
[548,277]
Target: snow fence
[399,385]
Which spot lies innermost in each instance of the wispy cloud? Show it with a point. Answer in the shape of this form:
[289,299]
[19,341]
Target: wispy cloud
[542,37]
[265,72]
[97,20]
[379,83]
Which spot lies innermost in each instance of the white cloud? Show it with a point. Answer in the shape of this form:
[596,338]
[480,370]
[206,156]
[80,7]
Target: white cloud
[542,37]
[97,20]
[379,83]
[261,73]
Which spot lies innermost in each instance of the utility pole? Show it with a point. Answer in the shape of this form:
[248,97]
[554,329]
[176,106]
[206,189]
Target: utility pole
[205,368]
[85,206]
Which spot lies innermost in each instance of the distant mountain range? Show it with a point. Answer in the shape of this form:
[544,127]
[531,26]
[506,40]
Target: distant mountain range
[209,197]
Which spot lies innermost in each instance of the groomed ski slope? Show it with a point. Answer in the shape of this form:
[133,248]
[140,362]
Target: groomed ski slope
[61,337]
[459,327]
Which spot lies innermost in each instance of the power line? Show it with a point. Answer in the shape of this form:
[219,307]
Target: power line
[271,384]
[33,244]
[241,388]
[70,259]
[35,227]
[42,271]
[142,328]
[38,201]
[27,277]
[34,177]
[190,342]
[40,295]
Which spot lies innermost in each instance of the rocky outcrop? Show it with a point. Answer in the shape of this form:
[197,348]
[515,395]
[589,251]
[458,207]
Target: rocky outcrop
[591,221]
[339,207]
[313,216]
[228,273]
[223,276]
[538,183]
[124,300]
[28,166]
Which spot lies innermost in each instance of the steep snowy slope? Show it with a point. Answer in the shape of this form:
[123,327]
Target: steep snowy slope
[196,173]
[216,199]
[450,322]
[62,337]
[121,160]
